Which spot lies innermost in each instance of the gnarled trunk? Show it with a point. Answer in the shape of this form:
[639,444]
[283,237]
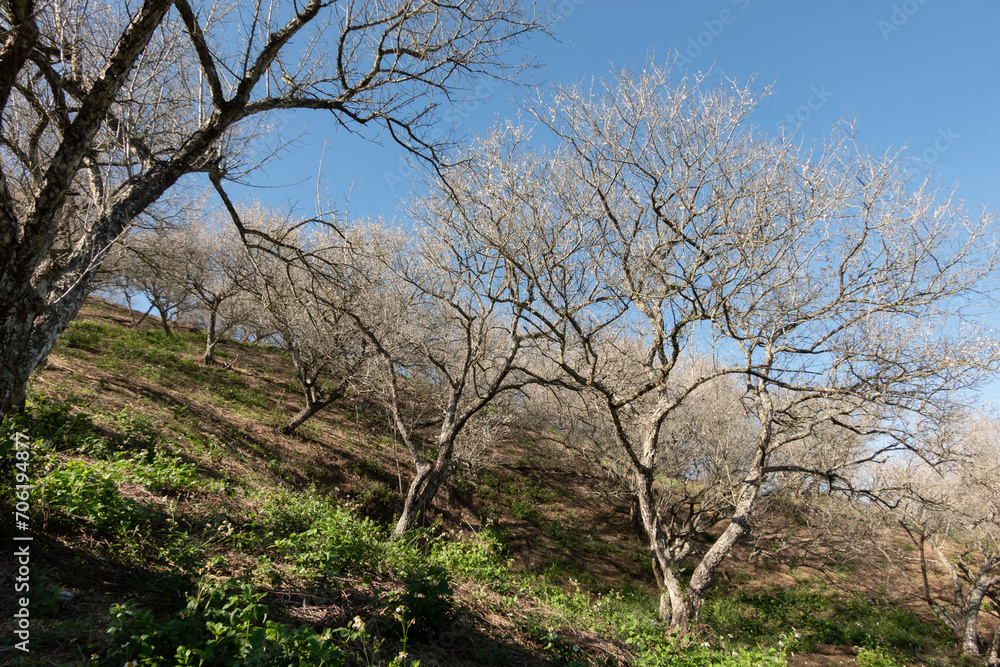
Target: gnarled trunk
[14,371]
[424,486]
[314,403]
[681,605]
[29,330]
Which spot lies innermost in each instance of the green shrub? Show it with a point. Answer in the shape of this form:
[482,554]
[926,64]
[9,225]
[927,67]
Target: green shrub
[224,623]
[53,420]
[229,386]
[377,501]
[334,541]
[86,335]
[477,558]
[693,652]
[149,346]
[164,474]
[427,599]
[133,433]
[821,618]
[77,490]
[525,510]
[876,657]
[558,648]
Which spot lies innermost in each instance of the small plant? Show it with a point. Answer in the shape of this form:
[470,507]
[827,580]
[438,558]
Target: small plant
[427,597]
[80,491]
[333,541]
[821,618]
[558,648]
[695,652]
[55,422]
[223,623]
[164,474]
[876,657]
[477,558]
[525,510]
[367,646]
[85,335]
[377,501]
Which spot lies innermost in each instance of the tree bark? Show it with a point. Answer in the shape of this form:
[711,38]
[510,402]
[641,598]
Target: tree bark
[211,339]
[425,485]
[313,405]
[685,602]
[970,623]
[29,332]
[993,659]
[164,318]
[38,300]
[674,606]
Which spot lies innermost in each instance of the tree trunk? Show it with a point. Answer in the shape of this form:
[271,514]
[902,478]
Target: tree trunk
[424,487]
[970,631]
[211,339]
[686,602]
[313,405]
[635,517]
[164,317]
[674,607]
[29,329]
[412,504]
[422,490]
[993,659]
[13,384]
[681,612]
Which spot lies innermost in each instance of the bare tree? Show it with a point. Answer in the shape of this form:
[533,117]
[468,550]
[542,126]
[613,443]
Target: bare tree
[951,512]
[211,265]
[662,228]
[296,282]
[146,264]
[439,311]
[104,108]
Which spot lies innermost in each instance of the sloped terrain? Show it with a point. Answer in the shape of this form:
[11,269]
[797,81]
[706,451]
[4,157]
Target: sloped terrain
[172,523]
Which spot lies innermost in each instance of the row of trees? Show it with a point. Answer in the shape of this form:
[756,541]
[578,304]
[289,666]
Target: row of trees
[109,114]
[710,313]
[641,252]
[365,311]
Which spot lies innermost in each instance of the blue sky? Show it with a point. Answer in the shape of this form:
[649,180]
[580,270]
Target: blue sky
[917,74]
[920,74]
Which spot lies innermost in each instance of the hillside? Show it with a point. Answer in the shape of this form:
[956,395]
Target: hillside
[168,514]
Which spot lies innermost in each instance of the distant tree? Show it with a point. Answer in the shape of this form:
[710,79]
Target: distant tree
[951,512]
[439,313]
[106,108]
[210,265]
[146,264]
[301,298]
[662,228]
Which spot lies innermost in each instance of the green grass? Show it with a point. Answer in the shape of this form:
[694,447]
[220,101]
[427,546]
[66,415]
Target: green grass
[144,489]
[822,617]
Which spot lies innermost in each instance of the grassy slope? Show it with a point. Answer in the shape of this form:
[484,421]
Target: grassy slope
[167,478]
